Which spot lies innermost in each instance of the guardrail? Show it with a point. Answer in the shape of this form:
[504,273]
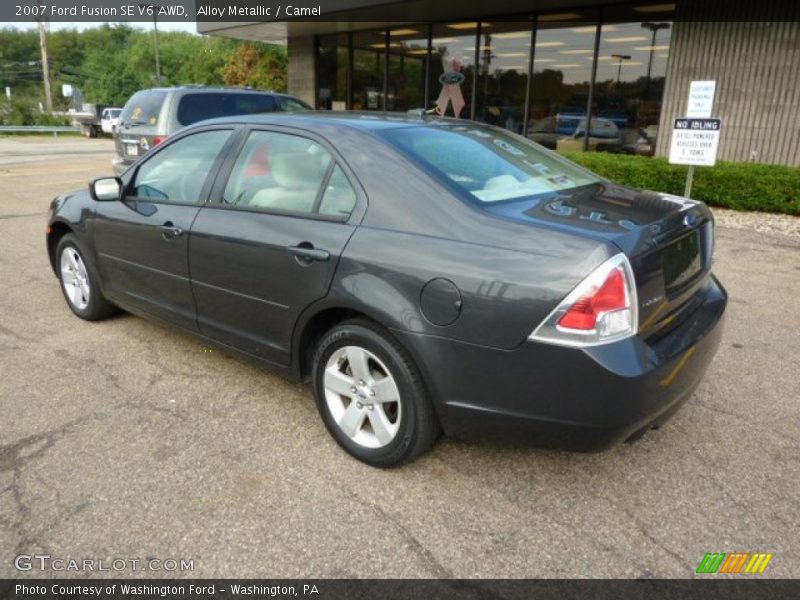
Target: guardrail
[54,129]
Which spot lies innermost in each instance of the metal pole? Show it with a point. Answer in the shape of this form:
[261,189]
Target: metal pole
[158,59]
[590,99]
[48,94]
[650,61]
[386,47]
[477,61]
[527,112]
[687,191]
[428,68]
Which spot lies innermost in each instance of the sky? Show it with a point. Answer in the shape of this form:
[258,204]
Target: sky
[190,26]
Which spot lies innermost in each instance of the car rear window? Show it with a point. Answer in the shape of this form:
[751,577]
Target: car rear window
[292,104]
[485,164]
[210,105]
[144,108]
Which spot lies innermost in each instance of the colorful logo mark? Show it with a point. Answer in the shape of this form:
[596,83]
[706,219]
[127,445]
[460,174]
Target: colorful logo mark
[734,562]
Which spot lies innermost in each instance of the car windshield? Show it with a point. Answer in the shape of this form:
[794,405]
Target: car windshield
[143,108]
[487,164]
[114,113]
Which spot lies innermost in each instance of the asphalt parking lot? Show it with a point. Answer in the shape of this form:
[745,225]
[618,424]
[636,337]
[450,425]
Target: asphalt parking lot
[121,439]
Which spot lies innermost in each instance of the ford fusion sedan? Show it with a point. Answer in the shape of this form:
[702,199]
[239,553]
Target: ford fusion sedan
[425,275]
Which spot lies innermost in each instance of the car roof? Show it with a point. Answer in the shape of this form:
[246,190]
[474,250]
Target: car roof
[366,121]
[206,88]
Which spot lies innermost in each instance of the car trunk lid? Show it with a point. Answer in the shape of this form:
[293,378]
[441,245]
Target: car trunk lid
[667,239]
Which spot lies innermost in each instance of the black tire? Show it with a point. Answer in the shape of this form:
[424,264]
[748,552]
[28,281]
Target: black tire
[97,307]
[418,426]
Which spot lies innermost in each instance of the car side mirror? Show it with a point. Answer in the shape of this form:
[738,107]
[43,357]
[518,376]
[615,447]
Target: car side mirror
[105,189]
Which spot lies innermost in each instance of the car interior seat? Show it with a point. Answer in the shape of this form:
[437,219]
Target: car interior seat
[297,176]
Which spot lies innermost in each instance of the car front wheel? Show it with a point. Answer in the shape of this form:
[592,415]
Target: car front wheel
[79,282]
[370,395]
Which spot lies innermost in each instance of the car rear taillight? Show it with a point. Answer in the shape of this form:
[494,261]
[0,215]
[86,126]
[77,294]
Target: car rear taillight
[158,139]
[601,309]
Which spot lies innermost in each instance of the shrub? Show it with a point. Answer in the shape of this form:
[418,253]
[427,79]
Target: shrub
[740,186]
[22,110]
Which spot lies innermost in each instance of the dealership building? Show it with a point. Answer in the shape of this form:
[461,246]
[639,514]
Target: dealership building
[570,74]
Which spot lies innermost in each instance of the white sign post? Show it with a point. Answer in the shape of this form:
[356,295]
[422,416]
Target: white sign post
[695,139]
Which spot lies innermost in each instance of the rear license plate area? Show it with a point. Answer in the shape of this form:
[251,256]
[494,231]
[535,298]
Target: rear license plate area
[681,261]
[132,149]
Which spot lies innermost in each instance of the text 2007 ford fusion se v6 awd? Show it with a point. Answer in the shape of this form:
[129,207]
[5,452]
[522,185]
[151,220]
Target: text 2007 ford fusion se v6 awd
[425,275]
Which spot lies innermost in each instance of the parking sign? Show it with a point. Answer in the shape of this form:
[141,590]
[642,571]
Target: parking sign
[695,142]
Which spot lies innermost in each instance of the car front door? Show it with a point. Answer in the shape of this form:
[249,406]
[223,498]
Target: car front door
[142,241]
[267,245]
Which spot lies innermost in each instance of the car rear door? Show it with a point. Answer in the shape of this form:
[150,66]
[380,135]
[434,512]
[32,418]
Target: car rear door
[141,124]
[267,245]
[142,242]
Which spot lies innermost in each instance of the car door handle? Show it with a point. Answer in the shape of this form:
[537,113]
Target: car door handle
[169,230]
[306,252]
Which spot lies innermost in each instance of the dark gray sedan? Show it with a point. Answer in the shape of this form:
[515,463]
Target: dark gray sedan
[423,274]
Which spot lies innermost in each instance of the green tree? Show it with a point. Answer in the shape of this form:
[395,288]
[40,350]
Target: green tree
[260,66]
[111,62]
[109,75]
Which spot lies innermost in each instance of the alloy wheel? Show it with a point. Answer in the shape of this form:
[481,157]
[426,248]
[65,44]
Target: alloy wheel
[75,278]
[362,396]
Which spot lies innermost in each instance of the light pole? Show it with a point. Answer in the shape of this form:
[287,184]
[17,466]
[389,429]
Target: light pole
[655,28]
[155,8]
[48,94]
[620,57]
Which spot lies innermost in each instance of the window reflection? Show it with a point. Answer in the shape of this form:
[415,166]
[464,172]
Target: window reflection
[408,52]
[503,74]
[389,73]
[332,72]
[631,70]
[453,68]
[562,72]
[369,58]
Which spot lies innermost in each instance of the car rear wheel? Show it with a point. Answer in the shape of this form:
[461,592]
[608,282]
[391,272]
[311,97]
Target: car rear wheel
[370,395]
[79,282]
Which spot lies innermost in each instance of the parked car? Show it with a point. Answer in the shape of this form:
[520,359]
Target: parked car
[152,115]
[109,120]
[422,274]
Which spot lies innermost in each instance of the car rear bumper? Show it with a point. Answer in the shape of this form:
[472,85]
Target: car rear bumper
[120,164]
[580,399]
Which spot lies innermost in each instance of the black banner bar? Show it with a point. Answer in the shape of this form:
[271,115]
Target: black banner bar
[713,588]
[255,11]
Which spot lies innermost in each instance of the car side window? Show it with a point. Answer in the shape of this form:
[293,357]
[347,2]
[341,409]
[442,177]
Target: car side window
[177,173]
[339,197]
[279,171]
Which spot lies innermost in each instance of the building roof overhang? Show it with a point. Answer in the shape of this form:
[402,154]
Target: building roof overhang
[349,15]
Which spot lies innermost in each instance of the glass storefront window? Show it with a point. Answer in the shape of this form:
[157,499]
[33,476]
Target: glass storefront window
[434,67]
[452,68]
[562,73]
[503,73]
[408,55]
[332,69]
[631,70]
[369,62]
